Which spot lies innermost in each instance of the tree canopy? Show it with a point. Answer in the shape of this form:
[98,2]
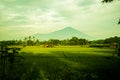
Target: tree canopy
[106,1]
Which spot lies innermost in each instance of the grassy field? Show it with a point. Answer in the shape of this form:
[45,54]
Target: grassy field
[67,63]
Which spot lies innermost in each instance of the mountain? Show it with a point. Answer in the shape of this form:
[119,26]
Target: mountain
[65,33]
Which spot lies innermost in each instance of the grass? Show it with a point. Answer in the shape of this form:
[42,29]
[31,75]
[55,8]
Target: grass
[67,63]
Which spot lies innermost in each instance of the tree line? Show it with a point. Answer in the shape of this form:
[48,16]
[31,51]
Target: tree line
[32,41]
[108,42]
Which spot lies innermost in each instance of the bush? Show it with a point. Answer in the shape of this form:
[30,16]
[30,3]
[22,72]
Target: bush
[99,45]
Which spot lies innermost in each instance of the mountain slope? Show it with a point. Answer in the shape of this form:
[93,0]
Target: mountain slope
[65,33]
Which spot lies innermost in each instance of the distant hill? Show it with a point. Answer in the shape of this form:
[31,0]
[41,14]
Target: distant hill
[65,33]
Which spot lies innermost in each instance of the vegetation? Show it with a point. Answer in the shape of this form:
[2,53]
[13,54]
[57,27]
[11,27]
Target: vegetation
[32,41]
[54,59]
[106,1]
[69,59]
[65,63]
[8,57]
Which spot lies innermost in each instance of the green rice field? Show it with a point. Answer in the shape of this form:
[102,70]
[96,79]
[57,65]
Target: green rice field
[67,63]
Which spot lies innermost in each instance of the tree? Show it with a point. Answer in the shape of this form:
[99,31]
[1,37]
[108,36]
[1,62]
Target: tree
[118,43]
[119,21]
[20,42]
[65,42]
[37,42]
[106,1]
[54,41]
[25,39]
[77,41]
[74,41]
[29,37]
[30,42]
[25,42]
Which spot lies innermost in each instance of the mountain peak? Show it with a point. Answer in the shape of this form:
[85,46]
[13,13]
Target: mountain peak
[68,28]
[64,33]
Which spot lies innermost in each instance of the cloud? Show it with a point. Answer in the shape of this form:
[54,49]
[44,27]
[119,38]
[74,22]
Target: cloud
[44,16]
[22,12]
[83,3]
[28,3]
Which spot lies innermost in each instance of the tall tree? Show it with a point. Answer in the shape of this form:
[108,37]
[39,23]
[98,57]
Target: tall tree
[29,37]
[74,41]
[37,42]
[54,41]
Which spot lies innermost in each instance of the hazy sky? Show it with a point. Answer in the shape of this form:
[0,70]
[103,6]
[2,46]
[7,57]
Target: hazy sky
[26,17]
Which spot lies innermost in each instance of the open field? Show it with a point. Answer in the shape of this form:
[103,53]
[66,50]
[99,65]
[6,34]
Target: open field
[67,63]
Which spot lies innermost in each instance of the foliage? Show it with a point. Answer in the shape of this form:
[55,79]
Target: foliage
[55,42]
[111,41]
[71,62]
[63,63]
[100,45]
[106,1]
[74,41]
[8,57]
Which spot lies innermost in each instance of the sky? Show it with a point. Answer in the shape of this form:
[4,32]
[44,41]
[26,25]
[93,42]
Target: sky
[21,18]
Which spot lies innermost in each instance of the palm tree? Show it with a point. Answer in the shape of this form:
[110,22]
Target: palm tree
[33,38]
[25,41]
[29,37]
